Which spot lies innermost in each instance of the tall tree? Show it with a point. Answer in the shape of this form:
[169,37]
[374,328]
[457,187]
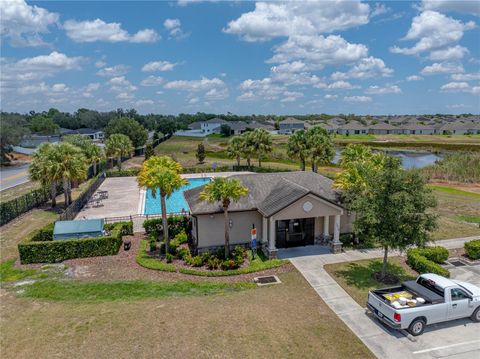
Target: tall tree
[297,147]
[161,174]
[224,190]
[73,167]
[45,168]
[248,149]
[200,154]
[128,127]
[13,128]
[93,153]
[393,207]
[321,147]
[262,143]
[118,146]
[235,148]
[43,124]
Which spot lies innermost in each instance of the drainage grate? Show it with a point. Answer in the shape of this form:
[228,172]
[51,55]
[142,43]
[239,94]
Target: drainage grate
[267,280]
[457,264]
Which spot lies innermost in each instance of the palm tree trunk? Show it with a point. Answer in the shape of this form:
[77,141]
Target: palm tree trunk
[227,233]
[259,160]
[313,166]
[238,161]
[248,162]
[302,164]
[384,265]
[119,163]
[163,205]
[94,164]
[65,191]
[69,192]
[53,193]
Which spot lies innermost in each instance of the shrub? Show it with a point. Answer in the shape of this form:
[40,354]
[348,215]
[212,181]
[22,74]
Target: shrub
[125,227]
[177,224]
[44,234]
[173,246]
[347,239]
[153,225]
[153,245]
[214,263]
[472,249]
[183,252]
[51,251]
[123,173]
[426,260]
[194,261]
[229,264]
[169,258]
[240,251]
[181,238]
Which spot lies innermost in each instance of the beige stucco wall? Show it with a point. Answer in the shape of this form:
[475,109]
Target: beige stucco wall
[320,208]
[211,228]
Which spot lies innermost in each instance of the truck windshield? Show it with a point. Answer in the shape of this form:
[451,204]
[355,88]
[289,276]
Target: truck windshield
[430,284]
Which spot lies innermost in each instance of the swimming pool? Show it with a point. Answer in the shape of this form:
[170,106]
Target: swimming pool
[176,202]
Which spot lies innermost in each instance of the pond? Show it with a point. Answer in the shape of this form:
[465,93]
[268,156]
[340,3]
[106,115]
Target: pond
[410,159]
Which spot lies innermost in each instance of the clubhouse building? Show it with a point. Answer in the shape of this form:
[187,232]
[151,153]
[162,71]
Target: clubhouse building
[287,209]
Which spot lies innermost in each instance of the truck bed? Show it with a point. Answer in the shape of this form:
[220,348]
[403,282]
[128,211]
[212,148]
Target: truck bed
[414,289]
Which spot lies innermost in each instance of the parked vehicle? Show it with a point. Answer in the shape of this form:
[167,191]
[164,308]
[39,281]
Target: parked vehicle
[430,299]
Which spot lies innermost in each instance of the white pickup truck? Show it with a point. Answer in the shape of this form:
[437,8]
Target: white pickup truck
[429,299]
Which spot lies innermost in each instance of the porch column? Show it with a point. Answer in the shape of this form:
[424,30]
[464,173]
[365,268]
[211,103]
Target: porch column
[264,230]
[325,226]
[336,245]
[272,234]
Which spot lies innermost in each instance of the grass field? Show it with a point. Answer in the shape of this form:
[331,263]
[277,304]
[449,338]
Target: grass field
[356,277]
[14,192]
[287,320]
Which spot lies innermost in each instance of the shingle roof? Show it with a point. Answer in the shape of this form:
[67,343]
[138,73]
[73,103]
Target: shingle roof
[354,125]
[291,120]
[82,131]
[383,126]
[216,120]
[269,192]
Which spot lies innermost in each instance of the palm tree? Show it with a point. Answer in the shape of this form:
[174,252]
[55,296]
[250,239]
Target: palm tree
[72,165]
[118,145]
[297,147]
[321,147]
[224,190]
[45,168]
[235,148]
[262,143]
[248,149]
[94,155]
[163,174]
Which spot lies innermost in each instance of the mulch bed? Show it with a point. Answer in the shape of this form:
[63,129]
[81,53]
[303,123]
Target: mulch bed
[123,266]
[388,279]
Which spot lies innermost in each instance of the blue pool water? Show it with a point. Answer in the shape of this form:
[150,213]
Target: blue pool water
[176,202]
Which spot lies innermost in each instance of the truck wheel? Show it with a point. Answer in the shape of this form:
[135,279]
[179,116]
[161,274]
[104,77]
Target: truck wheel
[416,327]
[476,315]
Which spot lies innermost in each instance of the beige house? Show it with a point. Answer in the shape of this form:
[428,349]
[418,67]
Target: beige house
[287,209]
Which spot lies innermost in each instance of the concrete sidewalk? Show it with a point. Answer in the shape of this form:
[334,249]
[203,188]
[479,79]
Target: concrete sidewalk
[382,341]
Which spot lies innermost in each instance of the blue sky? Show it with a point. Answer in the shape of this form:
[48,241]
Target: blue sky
[391,57]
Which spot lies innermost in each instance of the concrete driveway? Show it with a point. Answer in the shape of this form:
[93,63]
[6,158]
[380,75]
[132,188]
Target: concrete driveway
[455,339]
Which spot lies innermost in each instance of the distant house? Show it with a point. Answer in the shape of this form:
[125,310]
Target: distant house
[209,126]
[35,140]
[92,133]
[352,128]
[417,129]
[330,127]
[453,128]
[290,125]
[383,129]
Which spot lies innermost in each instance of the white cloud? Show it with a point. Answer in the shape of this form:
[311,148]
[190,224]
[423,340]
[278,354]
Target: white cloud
[265,88]
[414,78]
[468,7]
[330,97]
[379,9]
[158,66]
[113,71]
[204,84]
[30,69]
[144,102]
[193,100]
[450,53]
[152,81]
[357,99]
[60,87]
[100,63]
[459,105]
[121,84]
[125,96]
[87,90]
[33,88]
[378,90]
[342,85]
[270,19]
[217,94]
[23,24]
[99,30]
[433,31]
[174,28]
[247,96]
[291,96]
[460,87]
[318,51]
[466,77]
[442,68]
[369,67]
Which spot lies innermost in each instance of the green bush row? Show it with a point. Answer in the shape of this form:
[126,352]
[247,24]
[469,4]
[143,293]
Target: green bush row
[428,260]
[176,224]
[472,249]
[123,173]
[52,251]
[126,227]
[43,234]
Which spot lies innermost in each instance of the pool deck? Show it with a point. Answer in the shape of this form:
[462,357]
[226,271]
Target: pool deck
[125,198]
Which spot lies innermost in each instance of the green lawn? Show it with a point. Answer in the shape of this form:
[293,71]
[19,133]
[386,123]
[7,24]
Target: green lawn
[14,192]
[455,191]
[356,278]
[260,263]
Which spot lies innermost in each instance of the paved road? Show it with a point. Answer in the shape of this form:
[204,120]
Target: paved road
[11,176]
[457,339]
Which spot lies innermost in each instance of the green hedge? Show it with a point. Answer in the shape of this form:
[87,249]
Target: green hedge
[123,173]
[472,249]
[176,224]
[428,260]
[43,234]
[126,227]
[50,251]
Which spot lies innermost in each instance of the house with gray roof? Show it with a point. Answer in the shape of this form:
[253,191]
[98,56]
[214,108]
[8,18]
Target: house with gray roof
[290,125]
[383,128]
[288,209]
[417,129]
[209,126]
[352,128]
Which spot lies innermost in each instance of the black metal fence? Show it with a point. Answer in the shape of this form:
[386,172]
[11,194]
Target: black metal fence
[74,208]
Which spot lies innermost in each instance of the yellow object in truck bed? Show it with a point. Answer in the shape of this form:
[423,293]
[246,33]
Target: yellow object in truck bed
[394,296]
